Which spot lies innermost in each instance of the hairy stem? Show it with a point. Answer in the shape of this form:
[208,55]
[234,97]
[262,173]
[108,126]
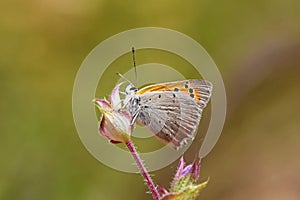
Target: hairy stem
[143,170]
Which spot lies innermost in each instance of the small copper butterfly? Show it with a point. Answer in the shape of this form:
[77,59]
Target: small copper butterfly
[171,111]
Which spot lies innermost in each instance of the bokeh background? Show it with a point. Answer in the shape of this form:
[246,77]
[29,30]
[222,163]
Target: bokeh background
[256,45]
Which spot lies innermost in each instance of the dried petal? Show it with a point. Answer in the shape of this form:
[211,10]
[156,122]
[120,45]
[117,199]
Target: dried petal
[115,99]
[195,170]
[180,167]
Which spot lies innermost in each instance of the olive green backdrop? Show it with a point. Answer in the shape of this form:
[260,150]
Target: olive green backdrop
[256,45]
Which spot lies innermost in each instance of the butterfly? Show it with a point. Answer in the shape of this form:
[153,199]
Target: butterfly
[171,111]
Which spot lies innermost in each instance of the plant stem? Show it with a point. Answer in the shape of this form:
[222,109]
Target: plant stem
[143,170]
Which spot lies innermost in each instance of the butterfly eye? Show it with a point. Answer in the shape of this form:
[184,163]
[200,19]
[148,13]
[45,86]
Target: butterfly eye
[130,89]
[134,89]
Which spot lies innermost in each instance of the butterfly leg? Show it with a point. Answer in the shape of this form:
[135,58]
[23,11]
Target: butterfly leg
[124,101]
[135,115]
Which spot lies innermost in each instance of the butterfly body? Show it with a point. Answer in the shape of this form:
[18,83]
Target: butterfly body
[171,111]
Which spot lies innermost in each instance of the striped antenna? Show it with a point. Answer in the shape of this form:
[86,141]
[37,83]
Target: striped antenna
[134,65]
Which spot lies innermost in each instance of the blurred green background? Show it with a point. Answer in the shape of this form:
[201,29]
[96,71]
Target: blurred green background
[256,45]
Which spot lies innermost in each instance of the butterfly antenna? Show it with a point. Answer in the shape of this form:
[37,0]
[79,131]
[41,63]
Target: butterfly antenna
[134,65]
[123,77]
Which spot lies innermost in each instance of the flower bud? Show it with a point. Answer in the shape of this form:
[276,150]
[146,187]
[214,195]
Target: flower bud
[184,184]
[115,123]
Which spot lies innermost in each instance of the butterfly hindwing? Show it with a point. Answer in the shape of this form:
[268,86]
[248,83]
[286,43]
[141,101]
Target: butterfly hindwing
[172,116]
[172,111]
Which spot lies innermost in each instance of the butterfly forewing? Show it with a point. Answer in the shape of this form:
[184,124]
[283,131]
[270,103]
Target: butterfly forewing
[199,90]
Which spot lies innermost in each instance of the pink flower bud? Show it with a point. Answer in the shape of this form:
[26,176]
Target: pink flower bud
[115,123]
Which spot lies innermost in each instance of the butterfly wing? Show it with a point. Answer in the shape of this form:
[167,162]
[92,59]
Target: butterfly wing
[199,90]
[172,116]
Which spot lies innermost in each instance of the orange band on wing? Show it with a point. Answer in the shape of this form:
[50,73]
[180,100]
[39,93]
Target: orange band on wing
[153,88]
[190,87]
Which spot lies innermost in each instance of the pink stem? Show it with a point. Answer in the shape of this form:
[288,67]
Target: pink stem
[143,170]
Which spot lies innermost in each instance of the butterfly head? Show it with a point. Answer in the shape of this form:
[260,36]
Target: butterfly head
[130,90]
[129,93]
